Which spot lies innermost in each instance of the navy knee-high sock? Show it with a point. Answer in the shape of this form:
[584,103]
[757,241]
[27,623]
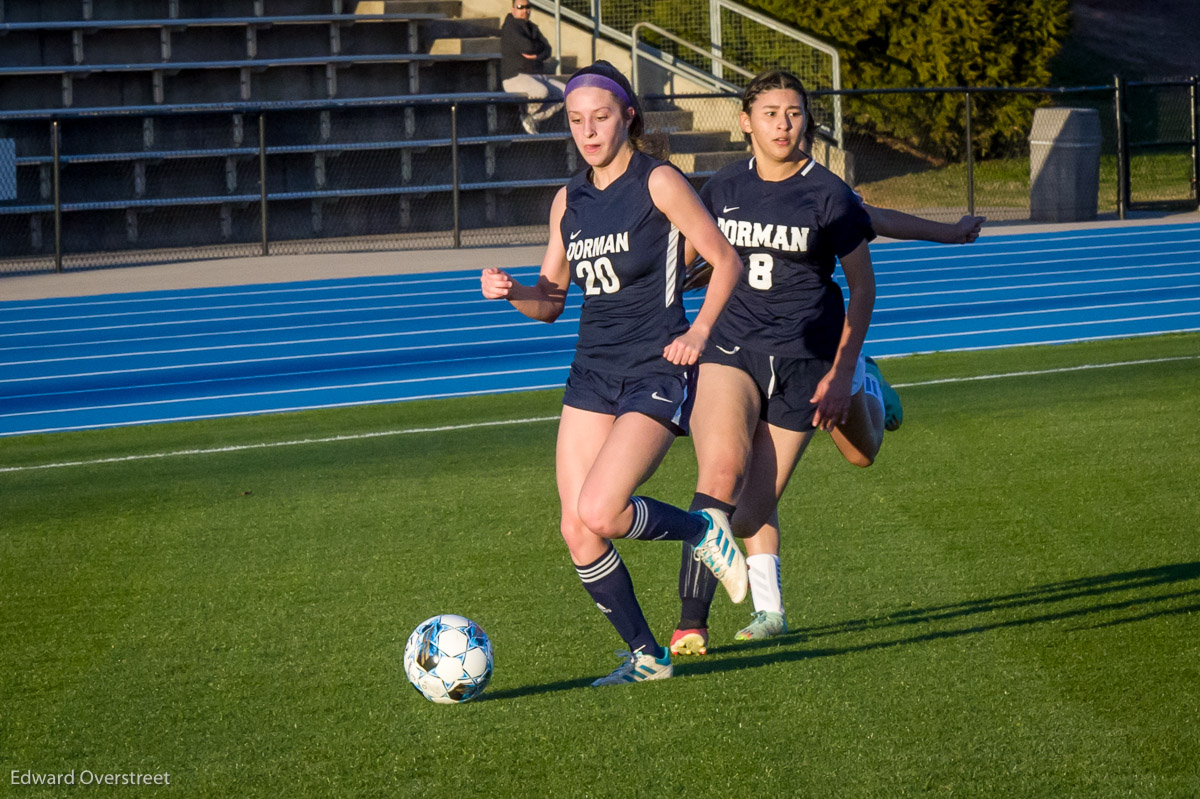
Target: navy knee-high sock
[658,521]
[697,585]
[608,583]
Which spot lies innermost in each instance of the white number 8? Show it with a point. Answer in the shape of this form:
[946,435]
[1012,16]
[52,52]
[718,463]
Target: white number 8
[761,265]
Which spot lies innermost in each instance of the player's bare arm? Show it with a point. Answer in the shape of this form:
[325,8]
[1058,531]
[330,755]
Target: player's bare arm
[894,224]
[674,196]
[543,301]
[832,396]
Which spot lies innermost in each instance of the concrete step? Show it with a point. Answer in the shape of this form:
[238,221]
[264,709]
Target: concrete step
[699,141]
[460,46]
[706,162]
[451,8]
[466,28]
[669,121]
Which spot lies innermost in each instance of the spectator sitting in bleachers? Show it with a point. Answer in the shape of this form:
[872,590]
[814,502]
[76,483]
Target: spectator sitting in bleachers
[524,52]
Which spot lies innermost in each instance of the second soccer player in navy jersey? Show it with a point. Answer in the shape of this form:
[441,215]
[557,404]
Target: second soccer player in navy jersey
[785,358]
[617,232]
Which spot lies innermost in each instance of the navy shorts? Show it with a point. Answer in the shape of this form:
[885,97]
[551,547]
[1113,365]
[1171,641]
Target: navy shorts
[667,398]
[785,385]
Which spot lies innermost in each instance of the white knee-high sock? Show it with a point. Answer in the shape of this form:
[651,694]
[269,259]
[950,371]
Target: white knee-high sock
[765,582]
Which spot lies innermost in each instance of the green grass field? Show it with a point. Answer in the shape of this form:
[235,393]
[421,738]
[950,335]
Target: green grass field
[1006,605]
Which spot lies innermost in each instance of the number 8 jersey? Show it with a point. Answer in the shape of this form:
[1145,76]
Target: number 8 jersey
[789,234]
[627,258]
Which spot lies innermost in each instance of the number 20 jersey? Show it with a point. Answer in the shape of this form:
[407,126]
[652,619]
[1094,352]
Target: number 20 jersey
[626,257]
[789,234]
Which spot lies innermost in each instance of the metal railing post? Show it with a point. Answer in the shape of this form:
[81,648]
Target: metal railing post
[454,176]
[262,180]
[1122,147]
[714,36]
[558,53]
[1194,92]
[970,161]
[57,169]
[595,27]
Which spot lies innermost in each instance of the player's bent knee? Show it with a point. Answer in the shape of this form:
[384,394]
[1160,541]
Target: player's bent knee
[601,519]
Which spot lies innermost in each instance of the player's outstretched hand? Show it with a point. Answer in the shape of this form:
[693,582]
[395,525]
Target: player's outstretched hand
[686,350]
[966,230]
[495,283]
[833,403]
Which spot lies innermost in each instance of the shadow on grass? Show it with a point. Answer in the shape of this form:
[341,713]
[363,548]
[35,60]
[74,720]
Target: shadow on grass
[1106,601]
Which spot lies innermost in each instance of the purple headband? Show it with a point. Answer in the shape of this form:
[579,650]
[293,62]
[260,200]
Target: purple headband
[597,82]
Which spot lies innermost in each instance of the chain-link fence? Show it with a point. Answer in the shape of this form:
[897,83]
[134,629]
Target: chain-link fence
[322,177]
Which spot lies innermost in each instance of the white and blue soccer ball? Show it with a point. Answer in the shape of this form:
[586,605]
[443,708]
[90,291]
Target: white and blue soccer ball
[448,659]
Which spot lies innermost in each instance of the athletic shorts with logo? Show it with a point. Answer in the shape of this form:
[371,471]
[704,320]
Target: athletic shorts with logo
[785,385]
[665,397]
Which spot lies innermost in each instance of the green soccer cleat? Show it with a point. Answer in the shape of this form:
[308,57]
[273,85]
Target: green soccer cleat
[638,667]
[718,550]
[893,411]
[764,624]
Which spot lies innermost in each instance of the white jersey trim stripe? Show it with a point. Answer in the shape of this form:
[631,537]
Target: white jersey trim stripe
[672,263]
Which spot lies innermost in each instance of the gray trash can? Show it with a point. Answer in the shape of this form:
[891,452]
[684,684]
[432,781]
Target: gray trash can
[1064,164]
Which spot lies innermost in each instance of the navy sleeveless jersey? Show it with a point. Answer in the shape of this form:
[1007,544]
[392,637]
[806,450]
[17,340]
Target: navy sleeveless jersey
[625,256]
[789,234]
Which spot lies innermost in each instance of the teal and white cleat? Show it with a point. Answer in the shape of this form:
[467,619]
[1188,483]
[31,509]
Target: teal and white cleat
[638,667]
[893,411]
[718,550]
[764,624]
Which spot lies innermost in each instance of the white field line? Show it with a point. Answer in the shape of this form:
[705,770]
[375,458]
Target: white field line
[289,409]
[1107,336]
[510,422]
[1034,372]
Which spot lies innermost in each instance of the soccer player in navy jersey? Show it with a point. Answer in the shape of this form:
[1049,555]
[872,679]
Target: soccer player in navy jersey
[785,358]
[617,232]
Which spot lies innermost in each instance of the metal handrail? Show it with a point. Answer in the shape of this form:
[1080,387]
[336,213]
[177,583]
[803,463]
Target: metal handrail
[197,22]
[715,82]
[595,23]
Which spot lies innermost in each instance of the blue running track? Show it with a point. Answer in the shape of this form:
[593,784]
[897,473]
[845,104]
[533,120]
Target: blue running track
[122,359]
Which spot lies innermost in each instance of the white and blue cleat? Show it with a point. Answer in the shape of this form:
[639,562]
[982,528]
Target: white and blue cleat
[718,550]
[638,667]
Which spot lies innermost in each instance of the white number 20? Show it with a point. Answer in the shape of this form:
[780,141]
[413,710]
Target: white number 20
[761,265]
[601,270]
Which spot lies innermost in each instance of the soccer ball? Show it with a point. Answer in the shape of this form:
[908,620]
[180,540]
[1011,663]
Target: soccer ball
[448,659]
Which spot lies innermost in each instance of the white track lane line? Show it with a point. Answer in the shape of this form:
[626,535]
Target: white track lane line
[530,420]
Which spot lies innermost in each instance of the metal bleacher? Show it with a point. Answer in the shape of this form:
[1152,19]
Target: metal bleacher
[154,130]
